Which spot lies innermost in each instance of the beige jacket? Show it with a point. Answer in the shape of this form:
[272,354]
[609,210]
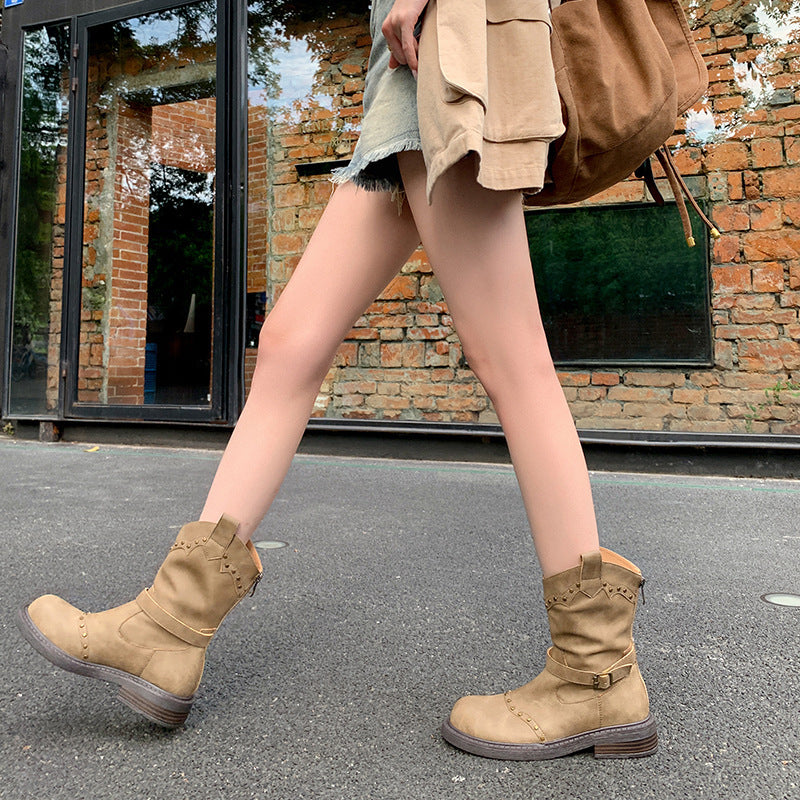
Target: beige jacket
[486,84]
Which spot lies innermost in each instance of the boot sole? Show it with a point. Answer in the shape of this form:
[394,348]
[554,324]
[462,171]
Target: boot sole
[159,706]
[635,740]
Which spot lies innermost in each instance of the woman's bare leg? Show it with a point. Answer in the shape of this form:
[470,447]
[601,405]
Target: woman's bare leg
[476,241]
[358,246]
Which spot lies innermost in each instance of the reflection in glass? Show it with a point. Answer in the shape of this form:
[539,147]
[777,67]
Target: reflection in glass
[305,82]
[148,243]
[619,284]
[39,261]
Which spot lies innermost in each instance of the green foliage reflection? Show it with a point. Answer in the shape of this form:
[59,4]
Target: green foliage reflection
[619,283]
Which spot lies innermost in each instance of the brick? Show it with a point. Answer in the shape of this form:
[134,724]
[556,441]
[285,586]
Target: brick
[704,378]
[754,317]
[574,378]
[746,332]
[747,380]
[389,320]
[727,156]
[402,287]
[731,218]
[461,404]
[638,394]
[428,333]
[752,187]
[414,354]
[758,301]
[731,279]
[705,413]
[391,334]
[420,389]
[766,153]
[355,387]
[771,245]
[735,186]
[392,355]
[290,195]
[692,396]
[768,277]
[790,112]
[790,299]
[605,378]
[387,402]
[726,249]
[363,333]
[740,396]
[784,182]
[655,378]
[769,356]
[723,354]
[766,215]
[592,393]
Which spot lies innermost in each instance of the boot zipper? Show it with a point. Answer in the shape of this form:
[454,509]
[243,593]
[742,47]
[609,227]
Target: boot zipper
[641,586]
[256,582]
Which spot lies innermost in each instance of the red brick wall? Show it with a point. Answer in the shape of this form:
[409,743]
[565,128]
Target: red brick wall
[402,360]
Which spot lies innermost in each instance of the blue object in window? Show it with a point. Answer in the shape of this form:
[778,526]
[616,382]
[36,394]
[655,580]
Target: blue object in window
[150,362]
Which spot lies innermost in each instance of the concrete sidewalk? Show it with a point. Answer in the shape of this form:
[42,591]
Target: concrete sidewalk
[404,585]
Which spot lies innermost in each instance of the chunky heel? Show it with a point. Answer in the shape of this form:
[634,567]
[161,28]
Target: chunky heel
[170,712]
[641,740]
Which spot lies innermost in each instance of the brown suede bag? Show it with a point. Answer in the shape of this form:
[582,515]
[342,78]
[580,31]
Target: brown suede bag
[625,70]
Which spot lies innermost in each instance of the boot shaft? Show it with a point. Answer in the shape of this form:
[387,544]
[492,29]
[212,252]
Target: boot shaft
[205,574]
[591,609]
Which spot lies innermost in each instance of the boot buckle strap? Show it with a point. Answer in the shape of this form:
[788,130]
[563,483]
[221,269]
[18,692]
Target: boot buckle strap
[603,681]
[170,623]
[597,680]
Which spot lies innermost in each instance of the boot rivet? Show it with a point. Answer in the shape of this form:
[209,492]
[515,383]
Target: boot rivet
[512,708]
[535,727]
[571,591]
[205,538]
[85,646]
[81,624]
[84,634]
[85,655]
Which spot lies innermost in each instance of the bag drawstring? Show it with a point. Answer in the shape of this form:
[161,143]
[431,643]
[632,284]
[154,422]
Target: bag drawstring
[679,188]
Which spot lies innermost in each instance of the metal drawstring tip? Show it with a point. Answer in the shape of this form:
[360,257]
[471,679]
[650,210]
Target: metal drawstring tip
[690,241]
[715,234]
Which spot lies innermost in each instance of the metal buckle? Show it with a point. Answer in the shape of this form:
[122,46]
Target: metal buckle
[601,681]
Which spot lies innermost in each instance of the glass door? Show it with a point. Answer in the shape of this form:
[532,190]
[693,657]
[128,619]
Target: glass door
[34,377]
[149,327]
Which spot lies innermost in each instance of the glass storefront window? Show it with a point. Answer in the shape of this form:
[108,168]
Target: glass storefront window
[39,258]
[305,82]
[149,205]
[619,284]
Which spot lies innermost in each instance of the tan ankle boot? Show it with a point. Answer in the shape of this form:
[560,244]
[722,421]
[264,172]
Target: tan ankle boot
[590,694]
[154,646]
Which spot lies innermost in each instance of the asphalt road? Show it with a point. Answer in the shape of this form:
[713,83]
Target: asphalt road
[403,585]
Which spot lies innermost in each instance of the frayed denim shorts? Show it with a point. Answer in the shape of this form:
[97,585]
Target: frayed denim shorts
[389,123]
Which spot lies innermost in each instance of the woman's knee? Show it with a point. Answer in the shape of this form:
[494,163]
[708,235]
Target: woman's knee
[291,352]
[506,365]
